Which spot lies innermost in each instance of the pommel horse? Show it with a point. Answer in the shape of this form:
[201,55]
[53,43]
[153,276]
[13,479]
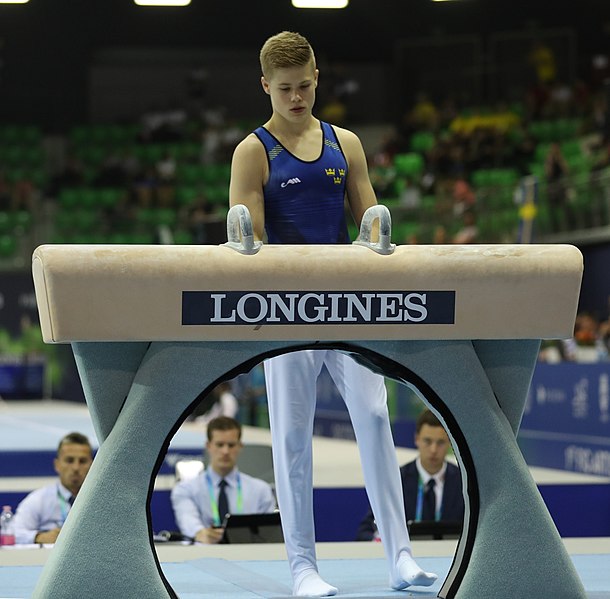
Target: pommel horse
[153,326]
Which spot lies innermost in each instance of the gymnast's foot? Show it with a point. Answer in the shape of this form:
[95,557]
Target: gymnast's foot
[310,584]
[410,574]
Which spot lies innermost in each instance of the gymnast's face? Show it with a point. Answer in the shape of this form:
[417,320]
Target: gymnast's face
[72,465]
[292,91]
[223,450]
[433,444]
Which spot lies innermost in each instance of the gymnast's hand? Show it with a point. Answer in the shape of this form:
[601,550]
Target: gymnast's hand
[210,535]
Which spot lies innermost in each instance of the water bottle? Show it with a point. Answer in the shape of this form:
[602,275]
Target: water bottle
[7,526]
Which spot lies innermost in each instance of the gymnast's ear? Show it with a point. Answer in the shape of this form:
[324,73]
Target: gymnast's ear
[265,85]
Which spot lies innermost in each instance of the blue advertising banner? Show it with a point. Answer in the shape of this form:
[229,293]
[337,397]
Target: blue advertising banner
[21,379]
[566,423]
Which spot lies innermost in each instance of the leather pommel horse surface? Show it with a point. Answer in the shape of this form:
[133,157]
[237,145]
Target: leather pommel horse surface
[137,293]
[152,327]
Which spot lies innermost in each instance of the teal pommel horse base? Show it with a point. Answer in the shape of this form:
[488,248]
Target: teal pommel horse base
[152,326]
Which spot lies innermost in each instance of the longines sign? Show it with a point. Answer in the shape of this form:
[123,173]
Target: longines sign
[317,307]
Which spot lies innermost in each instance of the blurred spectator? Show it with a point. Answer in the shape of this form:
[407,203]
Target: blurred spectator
[410,194]
[561,101]
[220,402]
[145,187]
[542,59]
[163,126]
[552,351]
[463,196]
[469,231]
[251,391]
[556,171]
[334,110]
[524,151]
[25,193]
[440,235]
[112,172]
[422,116]
[165,169]
[6,200]
[199,215]
[71,175]
[587,344]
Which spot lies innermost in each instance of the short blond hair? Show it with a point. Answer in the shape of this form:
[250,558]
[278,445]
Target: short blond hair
[284,50]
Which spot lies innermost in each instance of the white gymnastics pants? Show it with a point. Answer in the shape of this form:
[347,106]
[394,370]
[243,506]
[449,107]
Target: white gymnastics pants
[291,392]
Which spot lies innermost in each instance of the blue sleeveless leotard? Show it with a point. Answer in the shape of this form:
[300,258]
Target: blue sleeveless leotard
[304,201]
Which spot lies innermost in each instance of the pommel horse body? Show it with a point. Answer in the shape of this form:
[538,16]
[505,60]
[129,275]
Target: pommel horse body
[152,326]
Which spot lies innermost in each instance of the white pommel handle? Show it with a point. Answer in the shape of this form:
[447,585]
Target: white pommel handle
[240,233]
[382,214]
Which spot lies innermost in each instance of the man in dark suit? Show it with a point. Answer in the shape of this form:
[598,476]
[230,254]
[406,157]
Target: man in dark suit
[432,487]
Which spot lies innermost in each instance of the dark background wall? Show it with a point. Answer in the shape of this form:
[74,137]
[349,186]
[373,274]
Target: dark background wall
[49,49]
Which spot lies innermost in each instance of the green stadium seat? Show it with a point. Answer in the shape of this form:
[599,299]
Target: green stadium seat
[69,198]
[186,194]
[481,178]
[422,141]
[216,174]
[190,174]
[88,198]
[6,222]
[110,197]
[543,131]
[410,164]
[8,246]
[141,238]
[164,217]
[145,217]
[218,195]
[571,148]
[119,238]
[22,220]
[183,237]
[540,154]
[86,220]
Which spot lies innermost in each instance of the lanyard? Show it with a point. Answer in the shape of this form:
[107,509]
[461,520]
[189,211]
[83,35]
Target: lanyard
[214,501]
[419,507]
[64,507]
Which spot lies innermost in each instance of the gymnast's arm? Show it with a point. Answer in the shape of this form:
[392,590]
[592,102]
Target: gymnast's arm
[249,172]
[360,193]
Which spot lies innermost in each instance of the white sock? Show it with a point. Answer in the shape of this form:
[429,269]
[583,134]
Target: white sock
[312,585]
[410,574]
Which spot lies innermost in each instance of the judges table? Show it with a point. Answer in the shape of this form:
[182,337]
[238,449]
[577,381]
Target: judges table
[152,326]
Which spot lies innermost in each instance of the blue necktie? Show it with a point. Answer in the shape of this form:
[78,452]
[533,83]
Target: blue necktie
[223,502]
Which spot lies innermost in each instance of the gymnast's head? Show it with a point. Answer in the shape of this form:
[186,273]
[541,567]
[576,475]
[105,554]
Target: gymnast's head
[286,51]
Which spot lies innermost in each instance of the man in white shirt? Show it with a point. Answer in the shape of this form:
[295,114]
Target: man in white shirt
[199,508]
[40,516]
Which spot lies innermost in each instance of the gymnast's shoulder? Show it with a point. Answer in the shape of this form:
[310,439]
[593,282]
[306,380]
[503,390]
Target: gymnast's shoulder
[249,147]
[348,140]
